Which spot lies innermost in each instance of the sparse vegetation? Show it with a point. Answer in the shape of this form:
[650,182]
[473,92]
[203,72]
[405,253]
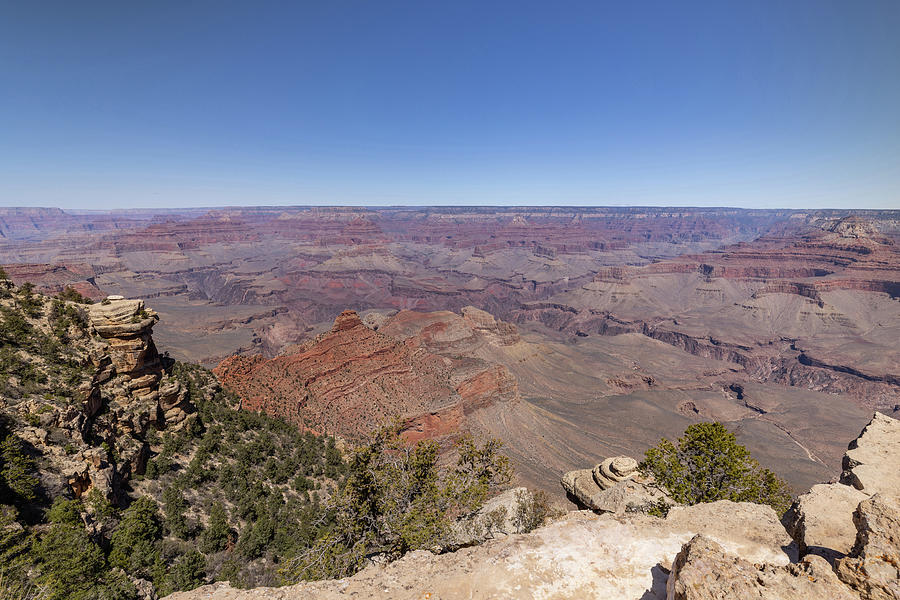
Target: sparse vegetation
[396,499]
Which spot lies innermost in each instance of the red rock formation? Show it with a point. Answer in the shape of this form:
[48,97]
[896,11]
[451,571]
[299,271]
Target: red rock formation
[351,378]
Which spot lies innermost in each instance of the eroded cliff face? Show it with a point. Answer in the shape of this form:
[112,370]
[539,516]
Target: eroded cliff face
[100,438]
[794,308]
[127,327]
[355,376]
[703,552]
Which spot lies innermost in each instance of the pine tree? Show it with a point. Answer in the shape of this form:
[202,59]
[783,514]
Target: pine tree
[707,464]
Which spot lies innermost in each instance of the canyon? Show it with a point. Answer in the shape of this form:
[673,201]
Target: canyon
[566,332]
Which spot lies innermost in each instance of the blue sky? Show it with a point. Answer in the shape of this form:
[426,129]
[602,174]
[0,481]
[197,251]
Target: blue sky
[201,103]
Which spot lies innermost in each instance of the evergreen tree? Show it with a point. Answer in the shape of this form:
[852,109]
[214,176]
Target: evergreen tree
[217,533]
[188,572]
[70,563]
[134,542]
[707,464]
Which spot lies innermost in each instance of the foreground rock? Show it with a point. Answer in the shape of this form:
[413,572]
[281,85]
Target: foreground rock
[867,463]
[822,521]
[873,568]
[583,555]
[703,570]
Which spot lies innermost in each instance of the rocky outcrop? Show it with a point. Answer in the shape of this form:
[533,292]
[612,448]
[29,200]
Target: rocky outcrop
[853,227]
[100,385]
[703,570]
[127,327]
[616,486]
[822,520]
[873,567]
[867,464]
[129,380]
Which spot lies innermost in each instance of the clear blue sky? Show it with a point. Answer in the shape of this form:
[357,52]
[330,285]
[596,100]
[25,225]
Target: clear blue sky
[113,104]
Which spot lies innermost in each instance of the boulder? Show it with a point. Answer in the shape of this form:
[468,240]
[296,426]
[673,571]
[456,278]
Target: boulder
[761,536]
[496,518]
[615,485]
[821,520]
[613,470]
[581,488]
[703,570]
[145,589]
[873,567]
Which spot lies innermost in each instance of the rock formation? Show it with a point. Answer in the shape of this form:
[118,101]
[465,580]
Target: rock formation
[353,377]
[703,570]
[865,464]
[103,385]
[127,327]
[822,520]
[873,566]
[616,486]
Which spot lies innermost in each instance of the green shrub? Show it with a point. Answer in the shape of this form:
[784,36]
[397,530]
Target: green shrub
[533,509]
[396,499]
[17,483]
[70,294]
[188,572]
[134,542]
[707,464]
[70,563]
[217,534]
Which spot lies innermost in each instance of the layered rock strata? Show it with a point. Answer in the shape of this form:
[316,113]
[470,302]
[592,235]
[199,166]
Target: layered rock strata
[616,486]
[127,327]
[90,425]
[353,377]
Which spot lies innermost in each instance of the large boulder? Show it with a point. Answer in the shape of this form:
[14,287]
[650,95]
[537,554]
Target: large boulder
[821,520]
[703,570]
[615,485]
[873,567]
